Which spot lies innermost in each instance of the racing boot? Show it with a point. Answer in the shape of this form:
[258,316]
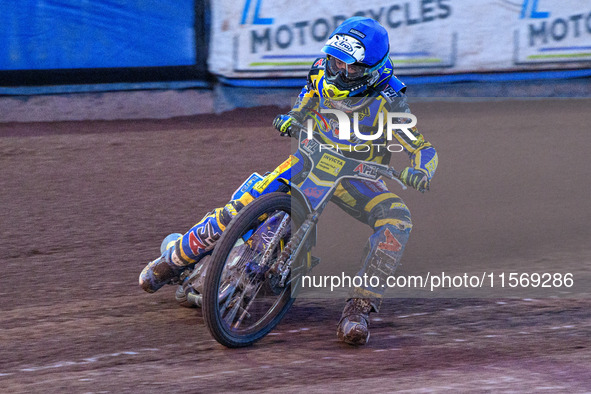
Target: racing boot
[162,270]
[353,327]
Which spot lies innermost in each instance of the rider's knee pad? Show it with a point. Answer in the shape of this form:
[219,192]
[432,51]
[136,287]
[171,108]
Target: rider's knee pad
[224,216]
[392,211]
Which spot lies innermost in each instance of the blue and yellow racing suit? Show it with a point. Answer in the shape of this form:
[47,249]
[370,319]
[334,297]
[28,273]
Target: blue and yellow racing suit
[367,201]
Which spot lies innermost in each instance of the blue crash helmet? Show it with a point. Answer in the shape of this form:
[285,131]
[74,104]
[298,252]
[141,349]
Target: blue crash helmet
[355,52]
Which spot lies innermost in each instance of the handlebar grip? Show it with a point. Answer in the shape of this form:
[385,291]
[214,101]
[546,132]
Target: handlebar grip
[394,175]
[390,173]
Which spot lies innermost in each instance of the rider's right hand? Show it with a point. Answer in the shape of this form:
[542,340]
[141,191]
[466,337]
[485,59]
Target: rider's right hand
[283,124]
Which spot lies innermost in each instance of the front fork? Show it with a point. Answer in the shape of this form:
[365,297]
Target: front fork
[293,249]
[296,245]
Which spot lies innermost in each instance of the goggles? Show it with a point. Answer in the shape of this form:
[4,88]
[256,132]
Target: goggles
[350,72]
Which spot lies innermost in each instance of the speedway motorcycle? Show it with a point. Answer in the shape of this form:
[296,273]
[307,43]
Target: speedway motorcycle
[250,280]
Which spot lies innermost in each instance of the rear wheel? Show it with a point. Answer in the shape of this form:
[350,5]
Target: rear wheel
[242,300]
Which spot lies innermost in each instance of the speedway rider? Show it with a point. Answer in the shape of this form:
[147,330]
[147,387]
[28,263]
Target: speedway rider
[355,76]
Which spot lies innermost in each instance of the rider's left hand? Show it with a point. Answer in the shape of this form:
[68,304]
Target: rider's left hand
[415,178]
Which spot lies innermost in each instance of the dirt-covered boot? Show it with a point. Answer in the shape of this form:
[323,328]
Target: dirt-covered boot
[162,270]
[354,324]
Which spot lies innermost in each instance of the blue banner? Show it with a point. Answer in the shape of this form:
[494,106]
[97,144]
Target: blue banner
[71,34]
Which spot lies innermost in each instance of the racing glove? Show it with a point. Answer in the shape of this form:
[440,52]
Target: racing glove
[283,124]
[415,178]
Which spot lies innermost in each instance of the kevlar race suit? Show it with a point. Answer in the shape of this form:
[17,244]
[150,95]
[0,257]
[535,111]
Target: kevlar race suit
[367,201]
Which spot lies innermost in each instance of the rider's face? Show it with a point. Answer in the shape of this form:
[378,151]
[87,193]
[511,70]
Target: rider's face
[340,65]
[351,71]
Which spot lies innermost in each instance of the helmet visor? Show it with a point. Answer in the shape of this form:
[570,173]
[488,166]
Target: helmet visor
[351,72]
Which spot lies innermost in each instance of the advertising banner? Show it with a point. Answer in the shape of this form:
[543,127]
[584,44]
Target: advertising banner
[280,38]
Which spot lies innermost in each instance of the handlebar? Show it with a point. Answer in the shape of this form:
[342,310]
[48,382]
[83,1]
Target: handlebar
[390,173]
[296,128]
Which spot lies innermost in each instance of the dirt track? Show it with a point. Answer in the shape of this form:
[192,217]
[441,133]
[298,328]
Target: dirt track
[84,207]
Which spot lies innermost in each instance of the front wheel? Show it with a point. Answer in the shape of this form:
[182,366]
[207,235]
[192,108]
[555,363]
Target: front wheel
[243,300]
